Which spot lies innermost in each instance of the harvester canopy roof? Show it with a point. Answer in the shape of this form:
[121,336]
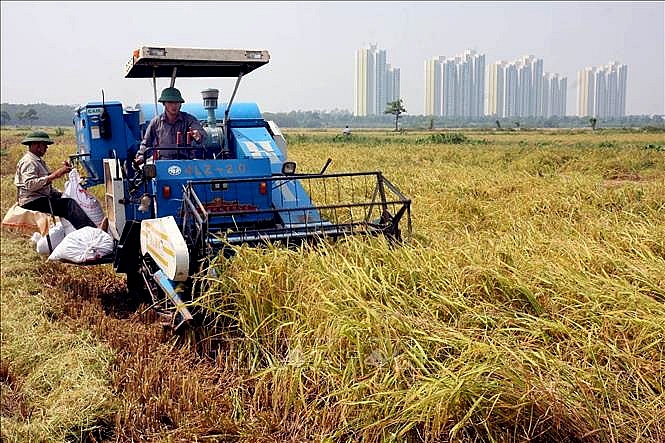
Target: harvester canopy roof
[149,61]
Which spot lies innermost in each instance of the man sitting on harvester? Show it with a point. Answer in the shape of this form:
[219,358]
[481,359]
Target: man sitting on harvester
[33,182]
[171,129]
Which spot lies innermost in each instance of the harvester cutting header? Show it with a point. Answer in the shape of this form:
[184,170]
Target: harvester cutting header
[188,200]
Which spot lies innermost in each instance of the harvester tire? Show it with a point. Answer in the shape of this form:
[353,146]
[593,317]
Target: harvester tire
[136,288]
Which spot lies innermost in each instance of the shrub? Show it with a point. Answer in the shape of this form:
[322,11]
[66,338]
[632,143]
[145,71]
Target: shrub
[453,138]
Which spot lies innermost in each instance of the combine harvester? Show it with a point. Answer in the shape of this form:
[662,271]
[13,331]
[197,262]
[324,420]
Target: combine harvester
[169,217]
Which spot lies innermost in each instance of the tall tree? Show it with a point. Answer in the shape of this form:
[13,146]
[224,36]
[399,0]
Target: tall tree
[31,115]
[28,116]
[395,108]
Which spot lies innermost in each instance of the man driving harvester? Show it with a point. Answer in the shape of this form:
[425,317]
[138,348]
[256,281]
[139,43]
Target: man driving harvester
[171,129]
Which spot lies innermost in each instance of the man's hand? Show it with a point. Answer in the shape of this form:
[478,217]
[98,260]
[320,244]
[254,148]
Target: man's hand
[197,135]
[62,170]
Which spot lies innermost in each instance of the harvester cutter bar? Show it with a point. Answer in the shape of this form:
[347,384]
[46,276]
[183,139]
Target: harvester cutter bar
[330,205]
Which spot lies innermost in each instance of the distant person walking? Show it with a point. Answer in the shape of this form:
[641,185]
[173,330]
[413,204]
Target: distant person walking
[346,132]
[33,183]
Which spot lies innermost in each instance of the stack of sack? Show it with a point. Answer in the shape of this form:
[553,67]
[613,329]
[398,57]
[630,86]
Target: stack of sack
[88,244]
[83,245]
[64,243]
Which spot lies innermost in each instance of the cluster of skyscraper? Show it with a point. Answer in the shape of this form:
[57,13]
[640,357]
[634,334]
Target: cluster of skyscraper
[522,89]
[376,82]
[455,87]
[601,92]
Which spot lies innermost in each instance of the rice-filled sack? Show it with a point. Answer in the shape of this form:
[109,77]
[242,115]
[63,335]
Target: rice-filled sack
[86,200]
[25,220]
[83,245]
[55,236]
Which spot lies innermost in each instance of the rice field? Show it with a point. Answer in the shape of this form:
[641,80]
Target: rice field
[528,305]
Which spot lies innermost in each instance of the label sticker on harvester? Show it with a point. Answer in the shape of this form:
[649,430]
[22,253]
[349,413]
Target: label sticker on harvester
[94,130]
[174,170]
[94,111]
[253,150]
[267,147]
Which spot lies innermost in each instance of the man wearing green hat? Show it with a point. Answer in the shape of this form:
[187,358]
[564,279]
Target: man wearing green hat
[162,131]
[33,183]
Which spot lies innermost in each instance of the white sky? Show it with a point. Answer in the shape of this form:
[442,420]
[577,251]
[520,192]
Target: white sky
[67,52]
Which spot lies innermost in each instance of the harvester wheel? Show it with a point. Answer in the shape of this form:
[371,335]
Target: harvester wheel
[136,288]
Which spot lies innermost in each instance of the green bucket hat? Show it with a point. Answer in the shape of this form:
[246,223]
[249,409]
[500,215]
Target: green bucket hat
[171,95]
[37,136]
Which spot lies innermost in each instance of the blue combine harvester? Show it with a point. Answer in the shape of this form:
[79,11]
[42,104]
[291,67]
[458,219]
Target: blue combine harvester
[236,186]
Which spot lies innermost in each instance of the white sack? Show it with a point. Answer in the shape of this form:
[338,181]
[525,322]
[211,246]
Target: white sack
[67,225]
[86,200]
[57,234]
[83,245]
[35,237]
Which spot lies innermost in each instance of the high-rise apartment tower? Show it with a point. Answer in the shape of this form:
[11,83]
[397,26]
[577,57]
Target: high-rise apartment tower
[455,86]
[376,83]
[521,89]
[601,92]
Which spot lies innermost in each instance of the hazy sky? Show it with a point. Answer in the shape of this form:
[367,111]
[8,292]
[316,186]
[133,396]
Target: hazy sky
[67,52]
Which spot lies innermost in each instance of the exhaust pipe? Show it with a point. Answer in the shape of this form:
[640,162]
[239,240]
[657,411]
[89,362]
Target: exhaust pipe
[210,97]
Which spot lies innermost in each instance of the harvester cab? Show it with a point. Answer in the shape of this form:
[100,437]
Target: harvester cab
[235,186]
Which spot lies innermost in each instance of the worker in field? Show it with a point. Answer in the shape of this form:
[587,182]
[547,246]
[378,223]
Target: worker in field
[346,132]
[171,129]
[33,182]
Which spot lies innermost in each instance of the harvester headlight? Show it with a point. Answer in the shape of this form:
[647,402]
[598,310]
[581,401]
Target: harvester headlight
[289,168]
[145,203]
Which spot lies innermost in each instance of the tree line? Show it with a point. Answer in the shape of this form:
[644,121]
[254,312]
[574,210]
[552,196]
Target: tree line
[395,117]
[39,114]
